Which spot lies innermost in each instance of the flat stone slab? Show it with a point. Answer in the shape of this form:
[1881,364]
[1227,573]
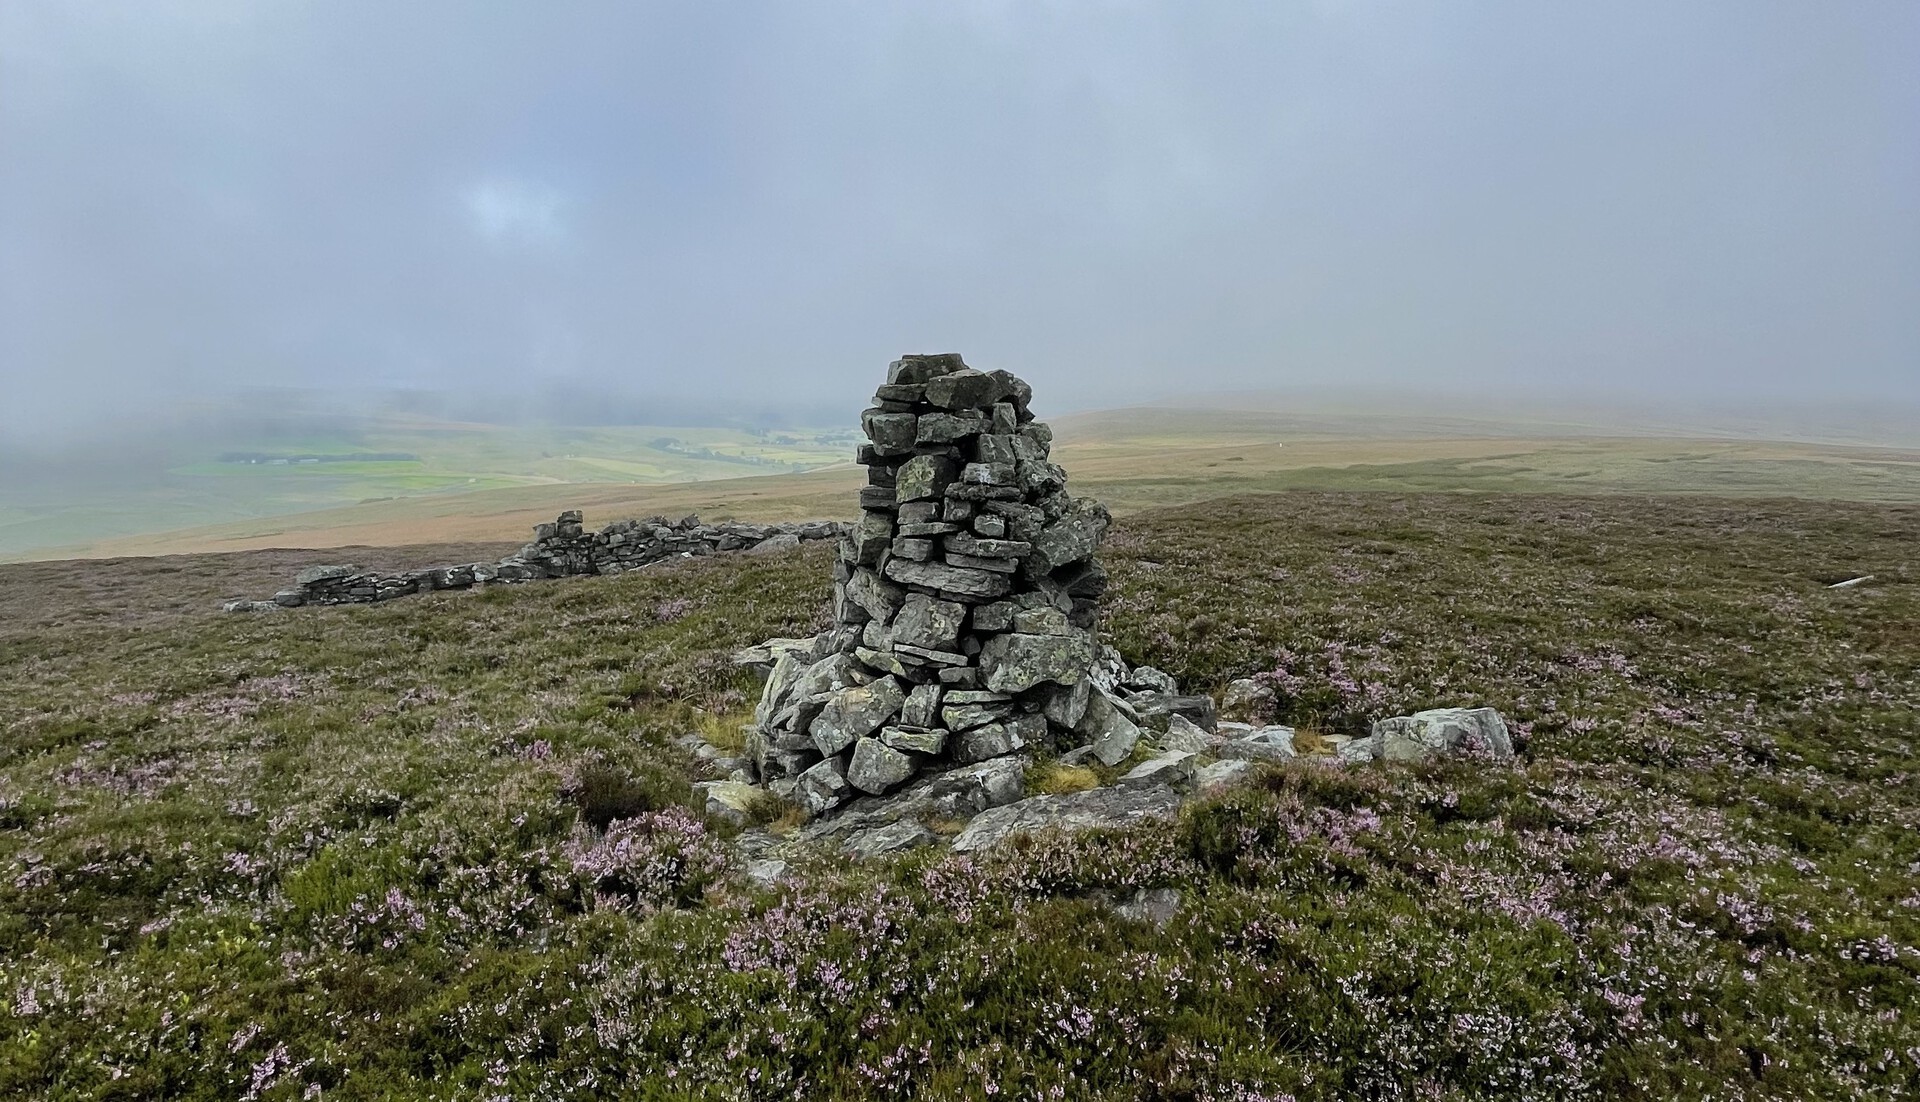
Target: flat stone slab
[1093,809]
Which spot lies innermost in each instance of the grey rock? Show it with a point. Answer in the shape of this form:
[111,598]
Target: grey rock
[946,428]
[990,741]
[965,389]
[1355,751]
[907,651]
[878,768]
[974,584]
[929,622]
[1156,710]
[900,836]
[891,433]
[917,740]
[1065,704]
[783,541]
[853,713]
[962,717]
[1182,734]
[729,800]
[871,536]
[1173,767]
[922,477]
[1265,744]
[823,787]
[1224,773]
[1076,756]
[830,674]
[1111,734]
[879,598]
[1146,679]
[1016,662]
[766,872]
[1246,701]
[313,574]
[922,707]
[920,368]
[1442,731]
[1071,538]
[881,660]
[1095,808]
[1041,621]
[971,562]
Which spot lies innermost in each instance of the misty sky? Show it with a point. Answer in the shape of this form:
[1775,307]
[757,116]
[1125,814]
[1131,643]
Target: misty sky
[1110,198]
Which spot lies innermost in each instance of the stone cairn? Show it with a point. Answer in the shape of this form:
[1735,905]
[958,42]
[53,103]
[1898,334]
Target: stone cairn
[964,600]
[562,549]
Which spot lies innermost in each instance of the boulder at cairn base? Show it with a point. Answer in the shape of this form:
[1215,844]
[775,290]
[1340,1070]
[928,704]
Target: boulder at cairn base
[964,597]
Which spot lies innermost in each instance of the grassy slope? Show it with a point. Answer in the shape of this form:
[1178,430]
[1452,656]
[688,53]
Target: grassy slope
[1135,459]
[344,847]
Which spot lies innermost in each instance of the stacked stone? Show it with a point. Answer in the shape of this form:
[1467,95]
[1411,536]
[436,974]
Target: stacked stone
[565,548]
[964,598]
[561,549]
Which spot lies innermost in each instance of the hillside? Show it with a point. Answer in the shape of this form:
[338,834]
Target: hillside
[350,853]
[1131,458]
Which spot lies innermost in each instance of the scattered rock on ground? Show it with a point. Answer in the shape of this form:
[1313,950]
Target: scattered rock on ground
[1092,809]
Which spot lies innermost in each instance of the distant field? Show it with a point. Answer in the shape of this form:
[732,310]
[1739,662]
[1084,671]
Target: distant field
[1131,459]
[188,483]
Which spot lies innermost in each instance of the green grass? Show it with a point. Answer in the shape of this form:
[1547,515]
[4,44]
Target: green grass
[184,484]
[359,849]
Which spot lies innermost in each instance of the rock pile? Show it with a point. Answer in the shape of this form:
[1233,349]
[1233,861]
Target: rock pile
[964,601]
[561,549]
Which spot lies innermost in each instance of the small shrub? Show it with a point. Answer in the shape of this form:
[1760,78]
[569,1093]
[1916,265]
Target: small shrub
[653,860]
[605,792]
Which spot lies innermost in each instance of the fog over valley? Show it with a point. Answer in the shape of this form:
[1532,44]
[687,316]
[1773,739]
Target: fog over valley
[759,205]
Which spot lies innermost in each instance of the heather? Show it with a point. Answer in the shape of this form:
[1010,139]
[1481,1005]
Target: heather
[445,847]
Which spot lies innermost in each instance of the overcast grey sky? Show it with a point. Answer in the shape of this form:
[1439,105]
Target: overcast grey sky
[1111,198]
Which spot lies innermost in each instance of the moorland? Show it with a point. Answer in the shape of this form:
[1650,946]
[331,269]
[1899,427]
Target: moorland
[364,852]
[486,483]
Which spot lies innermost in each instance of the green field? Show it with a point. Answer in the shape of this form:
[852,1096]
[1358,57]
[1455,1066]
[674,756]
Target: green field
[185,484]
[356,853]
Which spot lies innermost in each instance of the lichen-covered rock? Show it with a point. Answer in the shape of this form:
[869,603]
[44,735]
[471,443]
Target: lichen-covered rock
[1107,729]
[1071,538]
[1265,744]
[1016,662]
[929,622]
[1172,767]
[729,800]
[1093,809]
[823,787]
[1442,731]
[899,836]
[1183,734]
[851,714]
[915,740]
[1224,773]
[877,768]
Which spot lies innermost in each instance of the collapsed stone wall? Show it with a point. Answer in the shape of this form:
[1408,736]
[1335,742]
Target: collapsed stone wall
[964,600]
[561,549]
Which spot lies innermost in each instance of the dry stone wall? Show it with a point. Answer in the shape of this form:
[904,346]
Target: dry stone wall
[964,600]
[564,548]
